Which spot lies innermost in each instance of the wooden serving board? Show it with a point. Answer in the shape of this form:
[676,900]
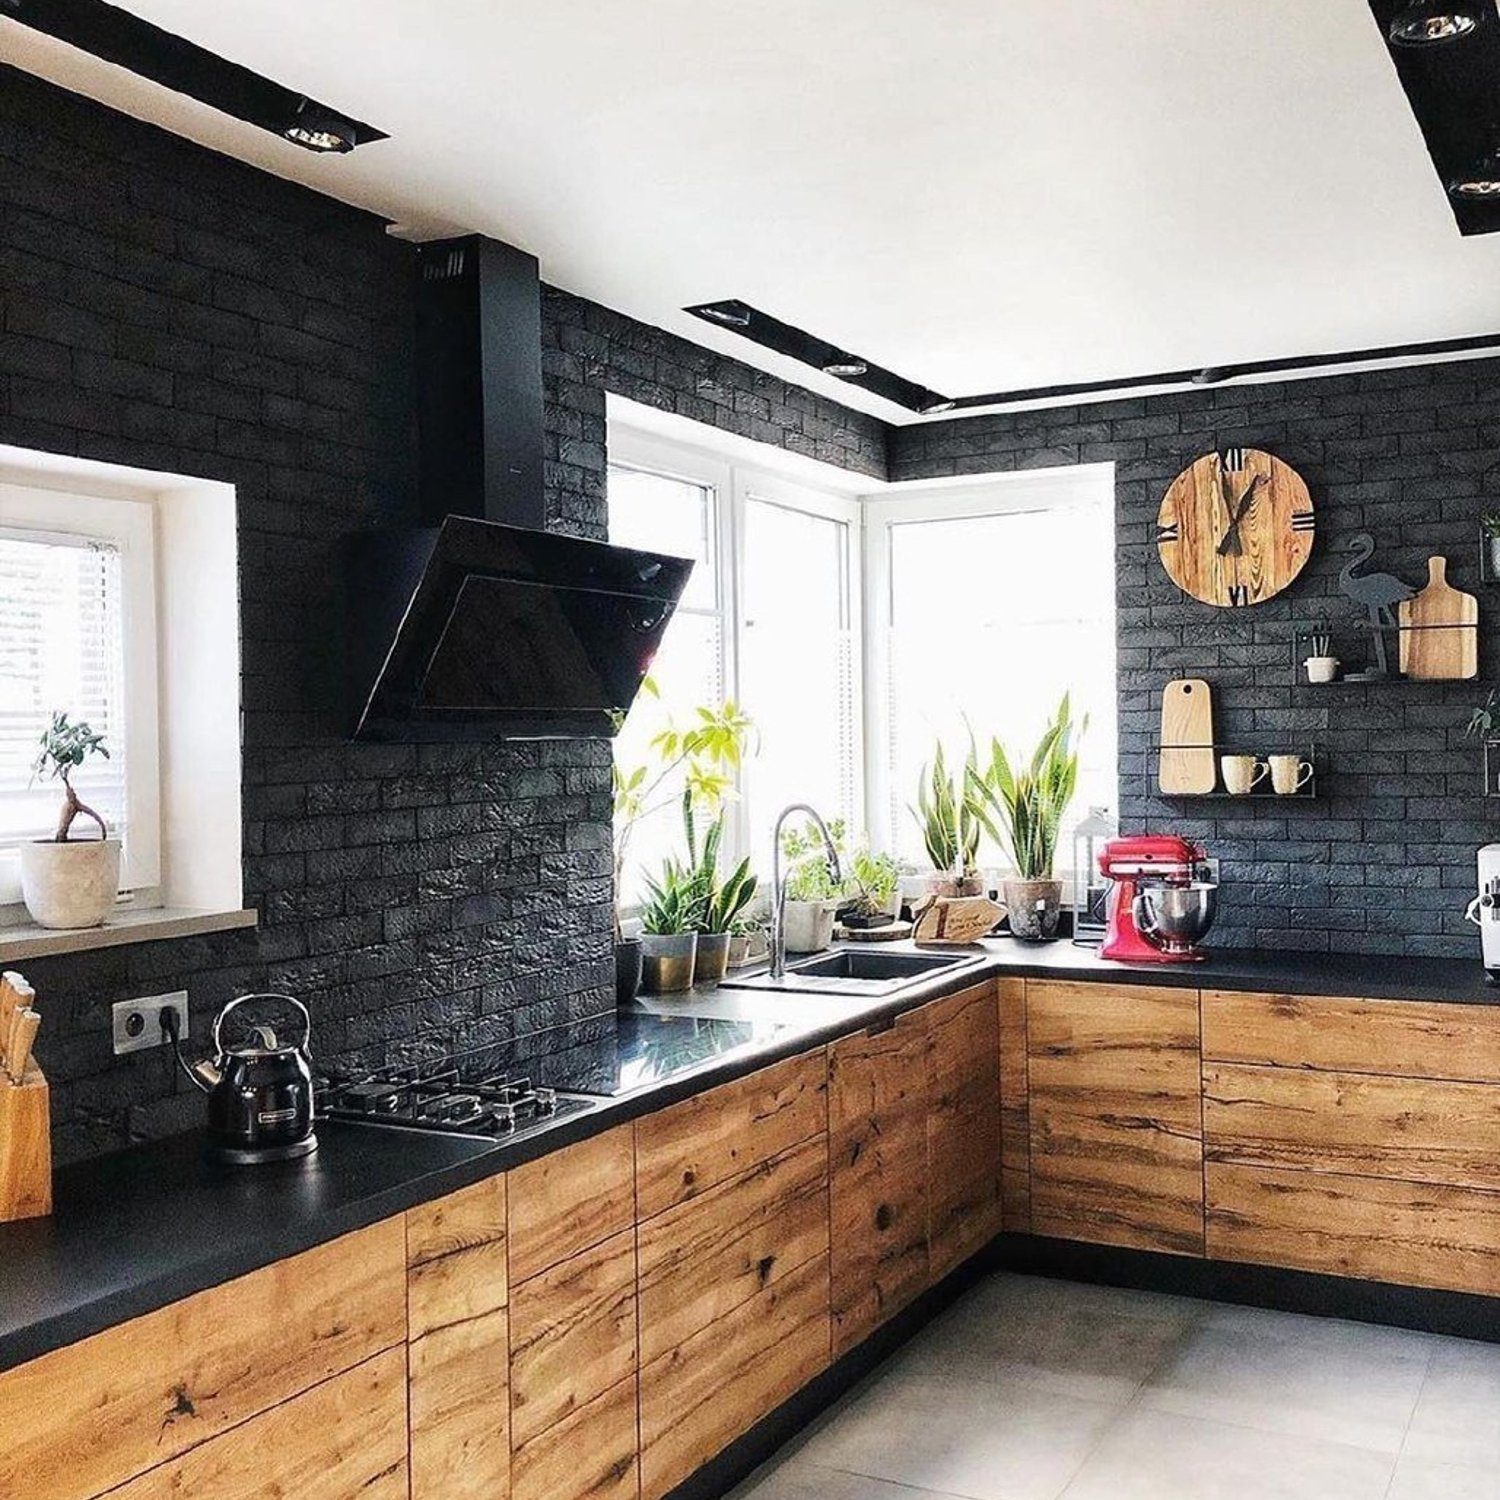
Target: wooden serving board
[1431,652]
[956,919]
[1187,738]
[892,932]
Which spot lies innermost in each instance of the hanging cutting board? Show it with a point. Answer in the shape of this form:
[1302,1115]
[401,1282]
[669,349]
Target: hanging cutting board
[1187,738]
[1431,652]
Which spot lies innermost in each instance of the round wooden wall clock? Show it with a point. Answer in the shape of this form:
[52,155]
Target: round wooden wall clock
[1235,528]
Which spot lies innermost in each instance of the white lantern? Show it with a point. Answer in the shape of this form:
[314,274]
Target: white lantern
[1089,886]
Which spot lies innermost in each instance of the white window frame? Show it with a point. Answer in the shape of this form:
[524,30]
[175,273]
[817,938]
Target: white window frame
[733,484]
[129,526]
[1003,494]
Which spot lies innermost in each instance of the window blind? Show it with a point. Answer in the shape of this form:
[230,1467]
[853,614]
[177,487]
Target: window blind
[61,647]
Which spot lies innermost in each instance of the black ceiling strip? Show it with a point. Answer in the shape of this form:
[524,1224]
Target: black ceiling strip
[749,322]
[1453,87]
[771,333]
[118,37]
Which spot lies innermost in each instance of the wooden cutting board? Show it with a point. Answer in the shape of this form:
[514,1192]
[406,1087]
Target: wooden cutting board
[1187,737]
[1438,654]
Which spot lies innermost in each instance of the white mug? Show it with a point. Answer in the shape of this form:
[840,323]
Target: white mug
[1289,774]
[1241,772]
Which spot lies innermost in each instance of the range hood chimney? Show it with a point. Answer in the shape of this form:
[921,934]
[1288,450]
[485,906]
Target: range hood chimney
[481,624]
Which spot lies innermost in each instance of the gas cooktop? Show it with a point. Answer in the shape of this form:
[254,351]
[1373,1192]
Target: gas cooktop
[498,1107]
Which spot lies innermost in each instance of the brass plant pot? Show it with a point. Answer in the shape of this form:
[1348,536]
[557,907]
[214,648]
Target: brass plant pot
[667,961]
[711,958]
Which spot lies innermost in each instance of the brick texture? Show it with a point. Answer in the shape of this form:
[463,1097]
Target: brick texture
[1383,861]
[164,307]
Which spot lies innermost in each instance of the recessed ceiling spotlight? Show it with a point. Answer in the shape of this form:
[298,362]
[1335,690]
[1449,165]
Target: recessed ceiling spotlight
[1430,21]
[846,367]
[319,129]
[936,405]
[726,314]
[1482,183]
[1210,375]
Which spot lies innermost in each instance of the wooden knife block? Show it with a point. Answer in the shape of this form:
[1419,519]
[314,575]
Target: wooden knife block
[25,1147]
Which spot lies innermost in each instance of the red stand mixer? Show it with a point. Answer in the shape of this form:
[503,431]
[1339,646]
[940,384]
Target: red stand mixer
[1162,900]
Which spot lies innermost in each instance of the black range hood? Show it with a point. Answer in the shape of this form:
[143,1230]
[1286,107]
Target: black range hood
[480,624]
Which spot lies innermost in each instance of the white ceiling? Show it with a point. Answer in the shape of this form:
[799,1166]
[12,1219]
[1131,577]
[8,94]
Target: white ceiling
[979,194]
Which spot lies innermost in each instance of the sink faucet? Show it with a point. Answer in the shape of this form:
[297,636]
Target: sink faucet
[778,885]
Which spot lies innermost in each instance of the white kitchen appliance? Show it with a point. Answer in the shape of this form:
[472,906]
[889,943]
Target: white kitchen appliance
[1484,909]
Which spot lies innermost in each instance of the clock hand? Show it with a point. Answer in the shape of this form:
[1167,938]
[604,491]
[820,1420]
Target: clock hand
[1229,544]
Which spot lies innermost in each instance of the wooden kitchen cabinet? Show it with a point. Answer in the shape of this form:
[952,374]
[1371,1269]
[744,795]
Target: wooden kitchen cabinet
[734,1313]
[96,1414]
[963,1126]
[459,1361]
[343,1438]
[1113,1083]
[878,1183]
[684,1150]
[1015,1113]
[573,1341]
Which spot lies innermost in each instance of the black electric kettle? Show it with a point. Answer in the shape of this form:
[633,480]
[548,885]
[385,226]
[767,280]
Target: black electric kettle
[260,1091]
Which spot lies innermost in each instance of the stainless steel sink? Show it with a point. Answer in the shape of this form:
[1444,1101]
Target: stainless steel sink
[856,971]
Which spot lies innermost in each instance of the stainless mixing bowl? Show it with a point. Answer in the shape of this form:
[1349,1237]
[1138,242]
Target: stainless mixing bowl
[1177,916]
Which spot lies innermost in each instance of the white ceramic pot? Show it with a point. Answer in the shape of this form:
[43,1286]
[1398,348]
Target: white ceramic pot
[71,884]
[809,925]
[1321,668]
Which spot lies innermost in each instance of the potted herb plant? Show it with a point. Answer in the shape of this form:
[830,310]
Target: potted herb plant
[722,902]
[705,755]
[950,825]
[748,941]
[813,896]
[875,882]
[66,881]
[1021,808]
[669,929]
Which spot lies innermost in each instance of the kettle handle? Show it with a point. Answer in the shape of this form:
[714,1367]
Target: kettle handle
[239,1000]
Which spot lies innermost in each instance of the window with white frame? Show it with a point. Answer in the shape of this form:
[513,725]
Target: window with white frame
[987,604]
[78,633]
[770,619]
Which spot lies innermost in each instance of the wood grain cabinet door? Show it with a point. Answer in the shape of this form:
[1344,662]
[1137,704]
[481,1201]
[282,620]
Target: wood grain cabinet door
[459,1354]
[1114,1089]
[963,1126]
[96,1414]
[877,1165]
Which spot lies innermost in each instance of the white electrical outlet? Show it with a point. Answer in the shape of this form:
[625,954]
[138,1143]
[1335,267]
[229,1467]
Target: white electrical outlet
[137,1023]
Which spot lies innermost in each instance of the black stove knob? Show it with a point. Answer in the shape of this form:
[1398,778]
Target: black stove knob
[546,1101]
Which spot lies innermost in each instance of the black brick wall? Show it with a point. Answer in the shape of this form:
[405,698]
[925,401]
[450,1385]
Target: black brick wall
[164,307]
[1383,861]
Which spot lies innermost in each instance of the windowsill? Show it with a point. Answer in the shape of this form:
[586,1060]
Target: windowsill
[25,939]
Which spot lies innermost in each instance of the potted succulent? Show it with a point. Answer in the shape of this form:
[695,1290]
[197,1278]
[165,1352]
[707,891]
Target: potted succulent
[66,881]
[1021,808]
[813,896]
[722,902]
[950,825]
[669,929]
[748,940]
[705,756]
[875,883]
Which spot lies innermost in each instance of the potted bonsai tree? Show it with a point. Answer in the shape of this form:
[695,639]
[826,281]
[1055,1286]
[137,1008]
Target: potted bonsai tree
[669,929]
[722,902]
[947,815]
[813,896]
[1021,807]
[704,757]
[67,881]
[874,882]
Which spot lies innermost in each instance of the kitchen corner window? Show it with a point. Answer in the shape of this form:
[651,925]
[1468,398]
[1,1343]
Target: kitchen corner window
[770,619]
[78,633]
[987,605]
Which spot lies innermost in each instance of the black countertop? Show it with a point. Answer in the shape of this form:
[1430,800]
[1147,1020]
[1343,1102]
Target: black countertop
[137,1230]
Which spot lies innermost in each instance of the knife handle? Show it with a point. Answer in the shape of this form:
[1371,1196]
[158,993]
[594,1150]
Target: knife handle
[27,1024]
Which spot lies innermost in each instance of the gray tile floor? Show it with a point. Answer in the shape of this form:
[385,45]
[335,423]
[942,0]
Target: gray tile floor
[1030,1389]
